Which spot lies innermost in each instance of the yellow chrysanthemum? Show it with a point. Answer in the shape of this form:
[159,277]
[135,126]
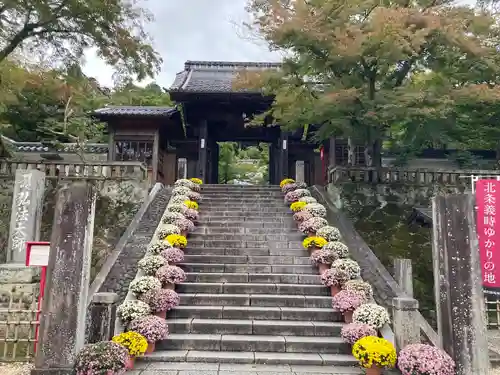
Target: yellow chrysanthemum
[134,342]
[286,181]
[177,240]
[191,204]
[317,242]
[371,350]
[297,206]
[196,180]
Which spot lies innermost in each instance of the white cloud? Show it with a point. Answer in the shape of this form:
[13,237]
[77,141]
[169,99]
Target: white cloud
[192,30]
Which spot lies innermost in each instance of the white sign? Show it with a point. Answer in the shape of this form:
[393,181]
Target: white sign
[39,256]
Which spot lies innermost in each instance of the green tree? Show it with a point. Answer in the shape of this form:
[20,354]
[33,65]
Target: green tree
[352,67]
[68,27]
[227,160]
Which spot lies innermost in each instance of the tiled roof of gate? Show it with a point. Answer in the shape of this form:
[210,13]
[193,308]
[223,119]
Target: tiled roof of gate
[214,76]
[135,110]
[91,148]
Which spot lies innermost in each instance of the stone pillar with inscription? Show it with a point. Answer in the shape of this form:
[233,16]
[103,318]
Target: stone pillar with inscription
[26,215]
[63,318]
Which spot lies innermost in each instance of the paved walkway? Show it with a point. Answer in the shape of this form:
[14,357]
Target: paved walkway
[186,368]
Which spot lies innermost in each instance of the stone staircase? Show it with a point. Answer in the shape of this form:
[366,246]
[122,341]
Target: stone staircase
[251,294]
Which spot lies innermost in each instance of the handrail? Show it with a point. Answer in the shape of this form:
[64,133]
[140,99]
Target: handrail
[372,269]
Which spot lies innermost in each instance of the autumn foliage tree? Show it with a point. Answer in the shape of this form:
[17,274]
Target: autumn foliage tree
[64,29]
[372,70]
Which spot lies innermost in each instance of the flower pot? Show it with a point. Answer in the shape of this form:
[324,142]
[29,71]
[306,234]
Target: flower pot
[184,233]
[334,290]
[151,347]
[323,268]
[169,286]
[311,234]
[161,314]
[374,370]
[129,365]
[348,316]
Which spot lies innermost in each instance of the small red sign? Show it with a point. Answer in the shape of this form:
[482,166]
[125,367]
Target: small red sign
[322,153]
[488,231]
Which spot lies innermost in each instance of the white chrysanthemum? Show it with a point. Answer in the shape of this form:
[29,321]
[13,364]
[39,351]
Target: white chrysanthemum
[371,314]
[178,199]
[338,248]
[157,247]
[361,287]
[150,264]
[329,233]
[144,284]
[308,200]
[316,209]
[180,190]
[184,182]
[302,193]
[133,309]
[349,266]
[180,208]
[166,230]
[171,217]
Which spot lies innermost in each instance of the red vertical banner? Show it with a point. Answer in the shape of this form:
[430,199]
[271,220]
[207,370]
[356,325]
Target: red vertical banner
[488,231]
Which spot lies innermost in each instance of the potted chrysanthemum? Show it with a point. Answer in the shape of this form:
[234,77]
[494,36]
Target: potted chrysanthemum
[170,275]
[166,230]
[372,314]
[302,216]
[359,286]
[152,327]
[105,357]
[172,256]
[346,301]
[352,332]
[311,226]
[160,301]
[374,354]
[297,206]
[342,270]
[151,263]
[132,309]
[134,342]
[176,240]
[329,233]
[313,243]
[144,284]
[421,359]
[316,209]
[322,259]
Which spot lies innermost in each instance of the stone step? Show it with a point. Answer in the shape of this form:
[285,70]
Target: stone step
[249,215]
[255,194]
[254,343]
[198,250]
[253,288]
[226,277]
[275,223]
[247,201]
[297,244]
[195,362]
[316,314]
[254,327]
[247,237]
[238,187]
[234,209]
[243,230]
[263,300]
[248,268]
[250,259]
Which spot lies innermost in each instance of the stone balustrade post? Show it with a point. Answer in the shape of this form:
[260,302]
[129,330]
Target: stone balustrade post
[405,322]
[101,317]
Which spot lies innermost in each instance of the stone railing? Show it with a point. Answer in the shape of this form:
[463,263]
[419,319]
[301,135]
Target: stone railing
[116,170]
[405,175]
[389,293]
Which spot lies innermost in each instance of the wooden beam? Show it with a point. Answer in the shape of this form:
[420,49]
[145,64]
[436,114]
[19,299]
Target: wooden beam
[202,151]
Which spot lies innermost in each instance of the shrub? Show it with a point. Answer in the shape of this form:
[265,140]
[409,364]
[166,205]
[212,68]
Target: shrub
[372,314]
[152,327]
[173,255]
[347,300]
[134,342]
[177,240]
[133,309]
[371,350]
[171,275]
[161,300]
[329,233]
[144,284]
[313,242]
[150,264]
[421,359]
[101,358]
[354,331]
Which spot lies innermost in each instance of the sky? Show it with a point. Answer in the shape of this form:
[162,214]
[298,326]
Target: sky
[192,30]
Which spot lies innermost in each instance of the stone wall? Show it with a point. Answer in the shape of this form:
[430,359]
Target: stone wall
[380,214]
[117,203]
